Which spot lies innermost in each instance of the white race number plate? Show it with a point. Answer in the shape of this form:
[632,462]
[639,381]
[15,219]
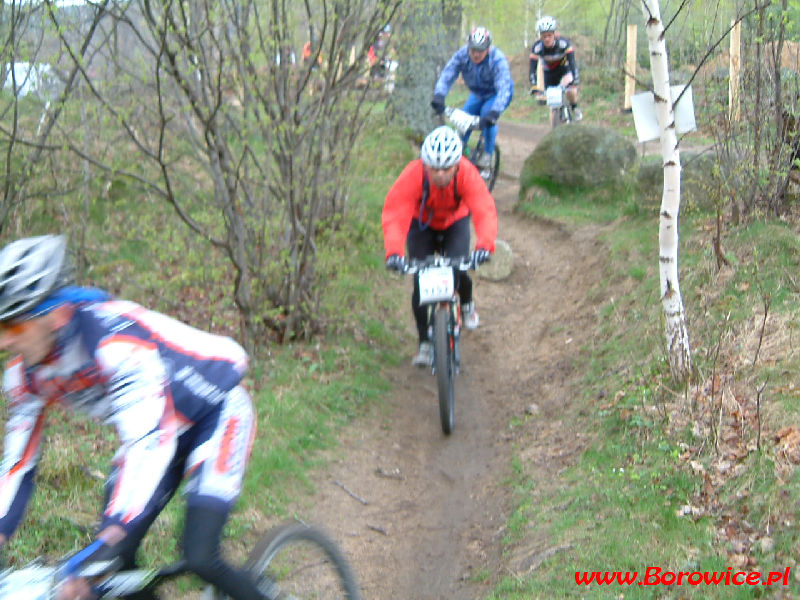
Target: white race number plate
[435,284]
[555,96]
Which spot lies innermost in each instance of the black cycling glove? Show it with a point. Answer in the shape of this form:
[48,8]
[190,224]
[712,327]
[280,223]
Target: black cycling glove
[396,262]
[437,104]
[480,256]
[489,120]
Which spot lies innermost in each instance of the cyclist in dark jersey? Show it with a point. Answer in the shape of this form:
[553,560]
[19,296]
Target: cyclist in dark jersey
[172,392]
[558,62]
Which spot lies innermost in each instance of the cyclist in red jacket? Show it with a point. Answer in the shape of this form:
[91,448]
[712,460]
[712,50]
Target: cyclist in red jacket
[428,209]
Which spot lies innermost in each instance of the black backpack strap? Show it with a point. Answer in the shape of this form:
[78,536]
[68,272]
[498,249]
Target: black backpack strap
[426,190]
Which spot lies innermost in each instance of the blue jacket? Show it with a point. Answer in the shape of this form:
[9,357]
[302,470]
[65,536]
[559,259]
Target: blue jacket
[490,77]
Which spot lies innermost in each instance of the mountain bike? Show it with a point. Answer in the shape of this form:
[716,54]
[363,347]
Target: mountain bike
[291,561]
[464,122]
[436,278]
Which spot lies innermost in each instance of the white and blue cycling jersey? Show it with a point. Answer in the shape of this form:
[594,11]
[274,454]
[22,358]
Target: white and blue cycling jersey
[171,391]
[490,77]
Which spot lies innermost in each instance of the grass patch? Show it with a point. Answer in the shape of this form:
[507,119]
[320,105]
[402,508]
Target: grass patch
[304,393]
[682,479]
[542,198]
[618,505]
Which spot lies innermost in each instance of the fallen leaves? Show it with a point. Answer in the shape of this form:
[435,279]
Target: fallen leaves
[787,440]
[729,427]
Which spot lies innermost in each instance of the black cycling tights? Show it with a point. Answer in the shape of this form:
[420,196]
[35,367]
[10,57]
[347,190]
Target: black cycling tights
[453,241]
[201,551]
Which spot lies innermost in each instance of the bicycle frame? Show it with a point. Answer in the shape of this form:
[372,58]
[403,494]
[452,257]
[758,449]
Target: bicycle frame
[453,308]
[37,581]
[32,582]
[436,283]
[465,122]
[560,111]
[445,296]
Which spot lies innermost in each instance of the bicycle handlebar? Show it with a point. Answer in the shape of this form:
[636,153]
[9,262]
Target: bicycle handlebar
[462,120]
[38,581]
[460,263]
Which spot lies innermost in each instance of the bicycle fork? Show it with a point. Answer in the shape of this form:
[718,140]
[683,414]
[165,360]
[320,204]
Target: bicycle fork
[453,332]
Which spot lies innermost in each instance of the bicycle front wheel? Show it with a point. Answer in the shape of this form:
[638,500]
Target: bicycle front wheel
[298,561]
[555,117]
[444,362]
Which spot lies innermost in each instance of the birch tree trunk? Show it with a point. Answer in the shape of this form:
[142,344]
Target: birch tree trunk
[680,358]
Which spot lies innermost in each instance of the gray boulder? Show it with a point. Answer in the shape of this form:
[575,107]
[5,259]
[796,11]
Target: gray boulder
[580,155]
[501,264]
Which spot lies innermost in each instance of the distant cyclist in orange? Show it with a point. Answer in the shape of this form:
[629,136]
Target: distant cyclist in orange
[428,209]
[308,50]
[376,54]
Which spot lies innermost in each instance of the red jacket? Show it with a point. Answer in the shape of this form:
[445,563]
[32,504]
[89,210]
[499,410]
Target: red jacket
[404,198]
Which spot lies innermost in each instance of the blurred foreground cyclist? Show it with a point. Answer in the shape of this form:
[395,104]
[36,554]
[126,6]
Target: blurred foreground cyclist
[172,392]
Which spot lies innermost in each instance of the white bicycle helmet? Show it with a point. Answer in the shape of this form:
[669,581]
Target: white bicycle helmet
[442,148]
[479,39]
[546,24]
[30,269]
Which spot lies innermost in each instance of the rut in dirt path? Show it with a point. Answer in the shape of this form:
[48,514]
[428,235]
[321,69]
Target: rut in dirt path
[420,514]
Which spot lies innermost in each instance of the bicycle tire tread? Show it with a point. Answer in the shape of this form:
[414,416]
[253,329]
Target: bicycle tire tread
[281,536]
[444,367]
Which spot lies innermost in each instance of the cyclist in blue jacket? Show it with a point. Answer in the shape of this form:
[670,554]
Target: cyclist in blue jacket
[172,392]
[486,73]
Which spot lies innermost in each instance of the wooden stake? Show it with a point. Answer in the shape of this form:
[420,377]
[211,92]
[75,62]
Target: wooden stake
[734,108]
[630,68]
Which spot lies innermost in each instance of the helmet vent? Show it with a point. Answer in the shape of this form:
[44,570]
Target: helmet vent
[30,270]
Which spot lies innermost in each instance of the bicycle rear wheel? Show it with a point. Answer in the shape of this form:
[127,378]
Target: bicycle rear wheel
[444,362]
[495,168]
[488,174]
[302,562]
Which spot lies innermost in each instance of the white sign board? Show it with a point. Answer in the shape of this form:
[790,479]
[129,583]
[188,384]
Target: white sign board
[30,78]
[644,113]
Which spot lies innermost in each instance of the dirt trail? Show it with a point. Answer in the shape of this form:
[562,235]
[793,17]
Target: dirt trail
[436,506]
